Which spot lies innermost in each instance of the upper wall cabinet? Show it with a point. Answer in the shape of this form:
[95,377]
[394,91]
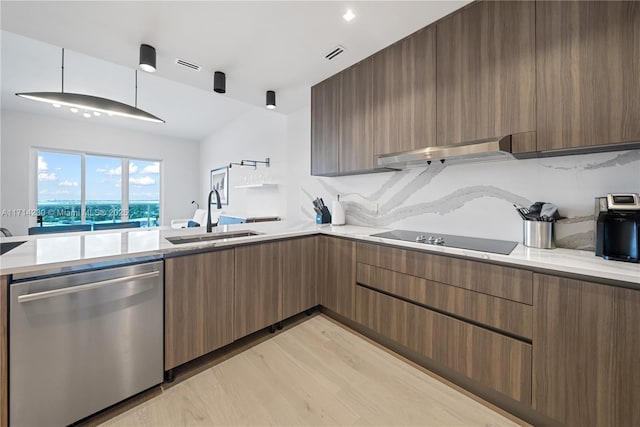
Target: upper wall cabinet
[588,68]
[325,126]
[404,94]
[486,72]
[383,104]
[356,119]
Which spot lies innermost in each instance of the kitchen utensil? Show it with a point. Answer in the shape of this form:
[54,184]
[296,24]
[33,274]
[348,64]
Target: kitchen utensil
[323,216]
[549,212]
[536,207]
[520,211]
[538,234]
[316,206]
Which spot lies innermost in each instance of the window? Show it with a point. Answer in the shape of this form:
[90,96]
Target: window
[59,193]
[144,192]
[103,194]
[86,188]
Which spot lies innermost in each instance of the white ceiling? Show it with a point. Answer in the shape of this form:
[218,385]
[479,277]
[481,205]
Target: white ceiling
[32,66]
[260,45]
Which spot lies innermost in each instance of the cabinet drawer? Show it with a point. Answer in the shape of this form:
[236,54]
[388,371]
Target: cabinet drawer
[503,314]
[504,282]
[499,362]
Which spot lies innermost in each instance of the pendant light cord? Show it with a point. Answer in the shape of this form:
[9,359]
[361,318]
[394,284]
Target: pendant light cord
[136,99]
[62,70]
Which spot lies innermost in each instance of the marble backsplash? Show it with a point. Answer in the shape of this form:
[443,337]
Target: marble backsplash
[475,199]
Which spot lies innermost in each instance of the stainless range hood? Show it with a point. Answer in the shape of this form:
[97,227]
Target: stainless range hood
[488,149]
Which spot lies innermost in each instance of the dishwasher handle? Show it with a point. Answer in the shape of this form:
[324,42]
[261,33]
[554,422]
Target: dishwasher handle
[82,288]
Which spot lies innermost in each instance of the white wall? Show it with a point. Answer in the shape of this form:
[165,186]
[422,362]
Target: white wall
[23,131]
[255,135]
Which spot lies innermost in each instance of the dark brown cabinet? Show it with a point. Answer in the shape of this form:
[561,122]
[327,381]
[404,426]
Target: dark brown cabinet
[587,352]
[486,73]
[300,275]
[258,290]
[326,103]
[337,278]
[383,104]
[404,94]
[498,313]
[503,282]
[356,119]
[198,305]
[588,63]
[492,359]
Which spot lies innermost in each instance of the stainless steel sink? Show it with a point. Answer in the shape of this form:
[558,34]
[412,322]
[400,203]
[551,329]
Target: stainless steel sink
[180,240]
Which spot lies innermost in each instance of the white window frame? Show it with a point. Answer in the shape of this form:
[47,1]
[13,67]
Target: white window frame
[124,187]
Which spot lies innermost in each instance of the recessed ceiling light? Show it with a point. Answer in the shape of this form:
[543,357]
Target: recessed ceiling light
[73,109]
[87,114]
[56,105]
[349,15]
[96,113]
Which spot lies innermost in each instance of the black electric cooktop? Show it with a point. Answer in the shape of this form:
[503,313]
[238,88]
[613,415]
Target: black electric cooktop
[503,247]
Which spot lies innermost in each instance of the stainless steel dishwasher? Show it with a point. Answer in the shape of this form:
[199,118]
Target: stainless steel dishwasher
[81,341]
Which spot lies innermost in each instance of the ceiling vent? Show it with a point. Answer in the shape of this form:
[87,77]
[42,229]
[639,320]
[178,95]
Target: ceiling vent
[188,64]
[335,52]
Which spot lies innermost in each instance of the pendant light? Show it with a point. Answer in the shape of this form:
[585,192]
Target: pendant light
[271,100]
[148,58]
[219,82]
[89,103]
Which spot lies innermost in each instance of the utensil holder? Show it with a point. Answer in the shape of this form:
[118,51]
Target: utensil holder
[538,234]
[325,217]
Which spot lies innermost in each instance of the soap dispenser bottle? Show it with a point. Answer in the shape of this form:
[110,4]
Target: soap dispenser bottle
[337,214]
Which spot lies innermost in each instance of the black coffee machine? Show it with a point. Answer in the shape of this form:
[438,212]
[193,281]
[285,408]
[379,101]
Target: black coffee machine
[618,227]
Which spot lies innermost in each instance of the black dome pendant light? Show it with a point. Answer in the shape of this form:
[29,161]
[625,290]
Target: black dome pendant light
[148,58]
[91,104]
[271,100]
[219,82]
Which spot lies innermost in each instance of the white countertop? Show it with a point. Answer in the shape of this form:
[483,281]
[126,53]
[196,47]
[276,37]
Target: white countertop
[45,252]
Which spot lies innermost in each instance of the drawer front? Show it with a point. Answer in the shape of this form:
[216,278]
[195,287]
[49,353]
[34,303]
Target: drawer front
[499,362]
[499,313]
[504,282]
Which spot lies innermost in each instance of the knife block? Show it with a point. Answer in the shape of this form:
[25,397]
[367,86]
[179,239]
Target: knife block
[325,217]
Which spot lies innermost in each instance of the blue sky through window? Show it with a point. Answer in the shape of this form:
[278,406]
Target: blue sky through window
[103,179]
[59,177]
[144,180]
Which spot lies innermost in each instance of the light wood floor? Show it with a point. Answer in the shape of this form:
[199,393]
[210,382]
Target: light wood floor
[316,373]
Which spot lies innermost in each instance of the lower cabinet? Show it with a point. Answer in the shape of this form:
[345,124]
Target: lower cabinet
[198,305]
[586,355]
[492,359]
[258,296]
[300,275]
[497,313]
[215,298]
[337,261]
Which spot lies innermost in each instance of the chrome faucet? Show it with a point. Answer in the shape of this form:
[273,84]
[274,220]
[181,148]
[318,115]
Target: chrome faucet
[218,206]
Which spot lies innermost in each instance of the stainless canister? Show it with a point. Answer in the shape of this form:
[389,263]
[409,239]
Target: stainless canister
[538,234]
